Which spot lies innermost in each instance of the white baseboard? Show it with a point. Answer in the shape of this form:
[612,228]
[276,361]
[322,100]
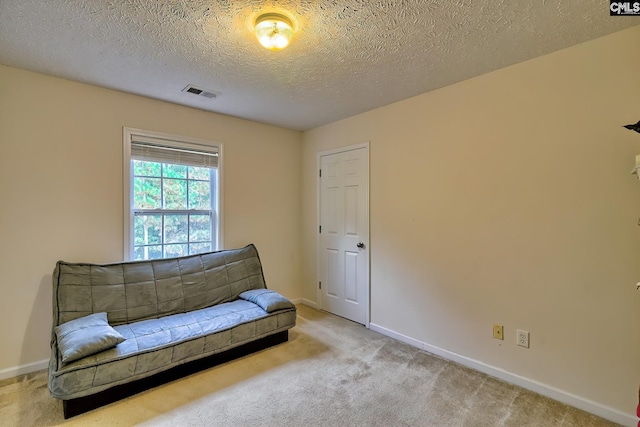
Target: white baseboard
[23,369]
[306,302]
[44,364]
[529,384]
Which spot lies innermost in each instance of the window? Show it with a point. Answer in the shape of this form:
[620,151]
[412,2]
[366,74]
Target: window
[174,198]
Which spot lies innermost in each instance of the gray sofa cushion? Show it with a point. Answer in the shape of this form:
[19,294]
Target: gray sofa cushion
[268,300]
[138,290]
[85,336]
[155,345]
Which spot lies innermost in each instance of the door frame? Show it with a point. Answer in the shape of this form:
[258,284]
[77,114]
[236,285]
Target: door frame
[320,154]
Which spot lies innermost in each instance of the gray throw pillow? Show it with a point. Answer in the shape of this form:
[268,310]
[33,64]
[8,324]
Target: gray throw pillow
[87,335]
[268,300]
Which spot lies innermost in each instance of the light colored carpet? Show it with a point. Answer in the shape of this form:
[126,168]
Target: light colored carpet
[331,373]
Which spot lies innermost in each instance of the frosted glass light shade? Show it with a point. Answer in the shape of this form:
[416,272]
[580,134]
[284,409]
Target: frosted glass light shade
[274,31]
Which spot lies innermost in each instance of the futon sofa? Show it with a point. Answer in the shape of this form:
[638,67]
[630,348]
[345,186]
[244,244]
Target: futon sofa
[115,324]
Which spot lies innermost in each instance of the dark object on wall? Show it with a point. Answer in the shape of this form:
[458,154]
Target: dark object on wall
[635,127]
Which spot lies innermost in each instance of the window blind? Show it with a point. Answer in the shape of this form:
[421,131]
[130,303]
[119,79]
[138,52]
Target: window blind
[163,151]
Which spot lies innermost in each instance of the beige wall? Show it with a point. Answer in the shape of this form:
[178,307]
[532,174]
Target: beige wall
[507,199]
[61,191]
[502,199]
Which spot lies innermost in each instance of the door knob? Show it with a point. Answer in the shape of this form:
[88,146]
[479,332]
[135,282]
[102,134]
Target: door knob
[360,245]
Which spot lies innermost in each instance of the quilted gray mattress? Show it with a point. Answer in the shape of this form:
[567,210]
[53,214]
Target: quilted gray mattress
[155,345]
[158,338]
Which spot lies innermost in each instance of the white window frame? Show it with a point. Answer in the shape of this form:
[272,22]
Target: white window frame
[129,134]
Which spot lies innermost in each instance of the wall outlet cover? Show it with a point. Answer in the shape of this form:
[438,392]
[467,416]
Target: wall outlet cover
[523,338]
[498,332]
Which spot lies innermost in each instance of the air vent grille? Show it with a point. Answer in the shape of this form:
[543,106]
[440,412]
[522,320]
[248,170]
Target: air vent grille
[211,94]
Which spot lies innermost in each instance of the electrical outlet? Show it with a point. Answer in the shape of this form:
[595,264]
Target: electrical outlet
[523,338]
[498,332]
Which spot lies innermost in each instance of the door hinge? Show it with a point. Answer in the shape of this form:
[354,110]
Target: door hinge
[319,285]
[320,173]
[320,229]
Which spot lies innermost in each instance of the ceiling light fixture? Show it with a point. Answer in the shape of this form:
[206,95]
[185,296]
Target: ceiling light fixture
[274,31]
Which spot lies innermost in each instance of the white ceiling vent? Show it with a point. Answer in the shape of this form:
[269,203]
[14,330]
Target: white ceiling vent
[211,94]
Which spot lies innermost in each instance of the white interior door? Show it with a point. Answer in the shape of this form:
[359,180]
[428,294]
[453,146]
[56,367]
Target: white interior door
[344,234]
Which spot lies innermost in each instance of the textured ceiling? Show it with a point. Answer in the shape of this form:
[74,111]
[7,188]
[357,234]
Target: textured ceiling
[347,57]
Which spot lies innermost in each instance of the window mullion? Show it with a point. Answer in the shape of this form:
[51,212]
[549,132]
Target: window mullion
[188,181]
[162,186]
[188,217]
[162,231]
[213,185]
[171,211]
[162,205]
[189,234]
